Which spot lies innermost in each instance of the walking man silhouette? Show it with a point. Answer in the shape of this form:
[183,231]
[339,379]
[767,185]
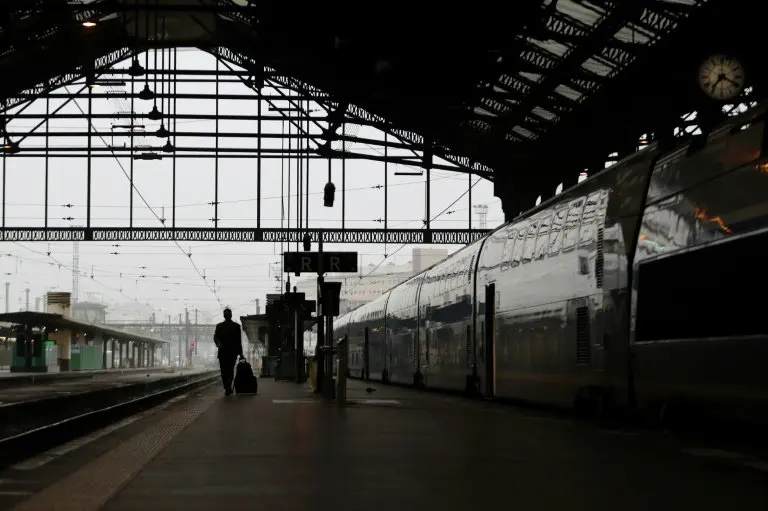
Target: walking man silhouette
[228,340]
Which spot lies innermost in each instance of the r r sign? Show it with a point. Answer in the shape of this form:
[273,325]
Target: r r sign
[309,262]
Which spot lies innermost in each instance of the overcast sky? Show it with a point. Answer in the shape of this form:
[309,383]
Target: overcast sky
[159,273]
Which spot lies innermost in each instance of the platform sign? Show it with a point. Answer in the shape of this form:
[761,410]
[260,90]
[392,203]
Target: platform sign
[308,262]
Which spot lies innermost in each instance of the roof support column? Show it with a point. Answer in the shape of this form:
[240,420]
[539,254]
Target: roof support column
[509,196]
[63,340]
[428,166]
[104,343]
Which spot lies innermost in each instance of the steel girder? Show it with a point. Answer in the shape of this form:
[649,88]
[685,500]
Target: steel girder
[244,235]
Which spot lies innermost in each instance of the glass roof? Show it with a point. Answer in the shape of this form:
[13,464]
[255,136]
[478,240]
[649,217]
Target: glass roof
[570,24]
[547,76]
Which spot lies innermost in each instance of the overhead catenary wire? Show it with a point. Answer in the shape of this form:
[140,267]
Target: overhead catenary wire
[387,256]
[69,268]
[144,200]
[406,244]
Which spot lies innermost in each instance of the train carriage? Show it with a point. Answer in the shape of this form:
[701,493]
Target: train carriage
[367,341]
[633,288]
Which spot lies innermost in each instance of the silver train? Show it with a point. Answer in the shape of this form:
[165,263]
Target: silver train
[642,287]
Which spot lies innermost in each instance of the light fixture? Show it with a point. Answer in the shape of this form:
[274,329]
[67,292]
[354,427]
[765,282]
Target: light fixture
[162,132]
[148,156]
[10,147]
[89,23]
[168,147]
[328,194]
[136,68]
[130,127]
[155,114]
[146,93]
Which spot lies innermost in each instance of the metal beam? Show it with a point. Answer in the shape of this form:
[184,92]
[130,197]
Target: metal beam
[230,153]
[571,60]
[356,112]
[223,234]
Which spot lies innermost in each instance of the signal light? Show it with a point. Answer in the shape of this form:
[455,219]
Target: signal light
[329,194]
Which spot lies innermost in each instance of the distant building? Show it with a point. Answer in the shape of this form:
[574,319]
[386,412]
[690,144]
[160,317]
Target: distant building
[423,258]
[371,282]
[89,312]
[131,312]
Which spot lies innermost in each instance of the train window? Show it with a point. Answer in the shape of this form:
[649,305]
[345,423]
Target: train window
[506,256]
[556,233]
[542,240]
[517,250]
[530,243]
[572,224]
[589,220]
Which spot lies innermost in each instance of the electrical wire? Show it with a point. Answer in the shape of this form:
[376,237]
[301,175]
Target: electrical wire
[405,244]
[69,268]
[141,196]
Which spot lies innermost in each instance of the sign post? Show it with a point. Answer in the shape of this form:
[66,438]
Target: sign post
[327,299]
[323,335]
[342,349]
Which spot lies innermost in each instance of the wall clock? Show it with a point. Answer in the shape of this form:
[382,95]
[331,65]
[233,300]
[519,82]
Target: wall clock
[721,77]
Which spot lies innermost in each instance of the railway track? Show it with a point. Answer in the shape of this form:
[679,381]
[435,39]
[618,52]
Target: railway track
[34,427]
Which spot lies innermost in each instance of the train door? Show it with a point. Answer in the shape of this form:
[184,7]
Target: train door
[490,340]
[366,356]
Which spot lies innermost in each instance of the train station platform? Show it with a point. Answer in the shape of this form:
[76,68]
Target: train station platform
[286,449]
[9,379]
[25,391]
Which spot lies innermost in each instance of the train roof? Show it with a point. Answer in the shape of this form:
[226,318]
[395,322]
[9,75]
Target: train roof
[754,114]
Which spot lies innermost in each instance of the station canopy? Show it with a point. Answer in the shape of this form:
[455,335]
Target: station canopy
[94,331]
[490,86]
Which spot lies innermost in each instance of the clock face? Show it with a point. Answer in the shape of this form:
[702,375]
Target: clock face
[721,77]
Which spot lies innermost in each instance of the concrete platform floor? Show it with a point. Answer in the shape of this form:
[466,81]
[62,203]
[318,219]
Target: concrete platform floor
[392,449]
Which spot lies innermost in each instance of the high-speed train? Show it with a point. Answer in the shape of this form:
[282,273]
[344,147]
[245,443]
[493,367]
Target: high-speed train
[642,287]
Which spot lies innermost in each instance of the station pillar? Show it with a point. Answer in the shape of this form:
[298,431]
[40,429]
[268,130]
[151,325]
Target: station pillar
[59,303]
[509,196]
[63,340]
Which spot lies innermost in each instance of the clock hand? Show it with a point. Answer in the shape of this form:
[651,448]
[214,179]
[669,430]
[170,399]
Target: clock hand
[719,79]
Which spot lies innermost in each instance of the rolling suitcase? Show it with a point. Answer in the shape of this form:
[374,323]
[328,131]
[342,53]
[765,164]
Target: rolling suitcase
[245,381]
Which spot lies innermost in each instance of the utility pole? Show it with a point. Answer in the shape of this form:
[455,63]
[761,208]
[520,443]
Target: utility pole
[181,359]
[27,291]
[76,271]
[186,336]
[7,297]
[197,336]
[482,213]
[324,330]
